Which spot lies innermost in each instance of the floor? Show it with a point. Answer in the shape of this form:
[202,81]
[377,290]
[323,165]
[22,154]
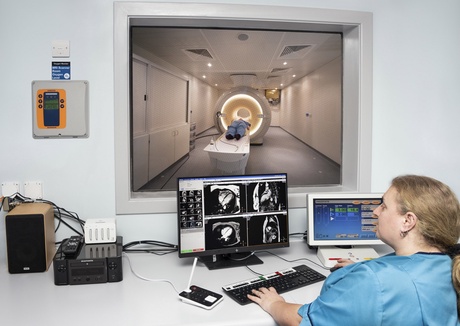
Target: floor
[280,152]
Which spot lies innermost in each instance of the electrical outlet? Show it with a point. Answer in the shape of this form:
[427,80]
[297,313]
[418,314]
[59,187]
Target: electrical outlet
[10,188]
[33,189]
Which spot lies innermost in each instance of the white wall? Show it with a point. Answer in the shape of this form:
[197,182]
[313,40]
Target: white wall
[416,99]
[203,99]
[311,110]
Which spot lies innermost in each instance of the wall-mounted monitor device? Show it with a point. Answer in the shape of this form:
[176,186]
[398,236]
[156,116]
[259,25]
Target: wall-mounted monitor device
[60,108]
[223,220]
[342,225]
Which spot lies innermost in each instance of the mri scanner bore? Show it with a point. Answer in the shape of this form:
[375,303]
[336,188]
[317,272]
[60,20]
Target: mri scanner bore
[244,103]
[237,110]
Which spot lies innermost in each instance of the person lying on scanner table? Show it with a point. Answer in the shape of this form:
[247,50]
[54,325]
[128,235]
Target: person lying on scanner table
[237,129]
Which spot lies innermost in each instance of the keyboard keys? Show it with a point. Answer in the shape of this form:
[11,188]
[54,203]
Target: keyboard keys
[282,281]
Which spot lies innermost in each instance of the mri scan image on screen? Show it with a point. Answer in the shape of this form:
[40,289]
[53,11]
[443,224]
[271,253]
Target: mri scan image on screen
[223,219]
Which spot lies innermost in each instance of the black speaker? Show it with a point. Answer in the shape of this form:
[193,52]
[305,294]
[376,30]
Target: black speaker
[30,238]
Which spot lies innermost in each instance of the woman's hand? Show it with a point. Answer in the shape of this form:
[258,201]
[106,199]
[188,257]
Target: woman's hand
[269,300]
[341,263]
[265,297]
[344,262]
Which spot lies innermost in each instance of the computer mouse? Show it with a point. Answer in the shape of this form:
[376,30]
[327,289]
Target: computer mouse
[333,269]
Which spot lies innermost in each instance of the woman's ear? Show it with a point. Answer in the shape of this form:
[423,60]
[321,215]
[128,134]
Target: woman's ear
[410,220]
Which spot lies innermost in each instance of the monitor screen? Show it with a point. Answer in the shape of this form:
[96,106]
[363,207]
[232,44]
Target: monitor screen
[223,219]
[341,219]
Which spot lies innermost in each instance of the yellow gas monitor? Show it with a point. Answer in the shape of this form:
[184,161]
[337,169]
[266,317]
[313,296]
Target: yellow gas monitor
[51,108]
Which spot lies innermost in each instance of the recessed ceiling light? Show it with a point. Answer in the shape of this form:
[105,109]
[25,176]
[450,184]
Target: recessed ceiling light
[243,37]
[210,64]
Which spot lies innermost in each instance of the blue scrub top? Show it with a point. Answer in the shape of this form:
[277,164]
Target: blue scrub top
[391,290]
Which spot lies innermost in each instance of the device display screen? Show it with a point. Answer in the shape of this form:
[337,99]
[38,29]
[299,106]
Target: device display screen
[345,218]
[51,109]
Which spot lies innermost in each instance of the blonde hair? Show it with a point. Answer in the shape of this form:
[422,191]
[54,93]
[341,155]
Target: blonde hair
[438,212]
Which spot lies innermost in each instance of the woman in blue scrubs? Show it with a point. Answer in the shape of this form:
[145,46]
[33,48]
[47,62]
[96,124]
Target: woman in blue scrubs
[418,284]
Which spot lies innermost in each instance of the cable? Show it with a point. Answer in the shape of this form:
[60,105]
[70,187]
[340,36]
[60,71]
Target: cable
[59,212]
[287,260]
[225,142]
[243,258]
[167,247]
[298,233]
[304,235]
[17,199]
[145,278]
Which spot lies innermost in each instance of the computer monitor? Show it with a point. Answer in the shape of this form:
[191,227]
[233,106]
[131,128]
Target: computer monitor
[341,225]
[223,220]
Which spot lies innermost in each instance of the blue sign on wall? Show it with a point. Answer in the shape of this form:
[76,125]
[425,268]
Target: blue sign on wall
[60,70]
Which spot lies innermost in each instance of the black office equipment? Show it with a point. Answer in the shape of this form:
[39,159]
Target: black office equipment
[91,263]
[283,281]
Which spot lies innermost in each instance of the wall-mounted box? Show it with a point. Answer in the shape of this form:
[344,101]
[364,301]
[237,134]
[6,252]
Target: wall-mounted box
[60,109]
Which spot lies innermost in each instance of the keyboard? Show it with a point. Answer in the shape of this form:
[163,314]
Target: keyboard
[283,281]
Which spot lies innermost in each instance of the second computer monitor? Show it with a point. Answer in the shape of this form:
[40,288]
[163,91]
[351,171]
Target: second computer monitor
[342,225]
[342,219]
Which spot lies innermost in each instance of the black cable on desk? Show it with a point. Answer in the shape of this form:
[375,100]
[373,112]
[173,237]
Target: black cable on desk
[287,260]
[298,233]
[165,248]
[61,213]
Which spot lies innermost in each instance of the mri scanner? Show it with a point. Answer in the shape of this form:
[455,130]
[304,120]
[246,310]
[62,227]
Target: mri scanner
[231,156]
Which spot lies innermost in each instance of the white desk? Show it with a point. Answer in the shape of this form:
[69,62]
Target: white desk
[33,299]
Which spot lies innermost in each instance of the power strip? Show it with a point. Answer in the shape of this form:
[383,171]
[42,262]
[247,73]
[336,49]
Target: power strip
[100,231]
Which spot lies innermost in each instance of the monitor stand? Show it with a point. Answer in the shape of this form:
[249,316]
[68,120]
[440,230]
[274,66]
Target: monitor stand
[230,260]
[329,255]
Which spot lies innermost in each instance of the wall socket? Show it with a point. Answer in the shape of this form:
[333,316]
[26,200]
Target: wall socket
[9,188]
[33,189]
